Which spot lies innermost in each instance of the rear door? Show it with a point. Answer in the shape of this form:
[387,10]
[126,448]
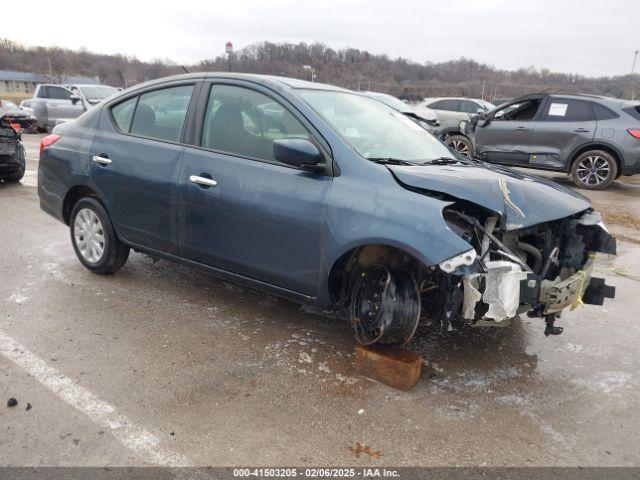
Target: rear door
[565,124]
[262,219]
[136,155]
[506,136]
[448,111]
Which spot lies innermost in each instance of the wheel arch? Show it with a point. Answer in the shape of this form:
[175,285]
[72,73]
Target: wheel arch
[73,195]
[339,276]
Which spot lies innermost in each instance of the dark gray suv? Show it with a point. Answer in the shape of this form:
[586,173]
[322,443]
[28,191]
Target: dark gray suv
[594,139]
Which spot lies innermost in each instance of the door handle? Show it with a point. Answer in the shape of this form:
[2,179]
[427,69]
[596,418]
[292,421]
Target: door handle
[581,130]
[203,181]
[101,160]
[521,129]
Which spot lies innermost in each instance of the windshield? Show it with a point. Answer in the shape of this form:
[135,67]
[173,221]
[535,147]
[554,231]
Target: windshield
[487,105]
[389,100]
[98,92]
[373,129]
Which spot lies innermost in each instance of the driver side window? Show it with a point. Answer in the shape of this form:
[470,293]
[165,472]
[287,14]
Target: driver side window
[518,112]
[244,122]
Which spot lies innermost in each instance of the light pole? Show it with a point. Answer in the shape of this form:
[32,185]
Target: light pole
[633,67]
[311,70]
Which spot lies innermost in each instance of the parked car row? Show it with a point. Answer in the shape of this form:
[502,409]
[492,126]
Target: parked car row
[321,195]
[52,104]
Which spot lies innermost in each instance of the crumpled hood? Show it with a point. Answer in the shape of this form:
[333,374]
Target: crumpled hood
[522,200]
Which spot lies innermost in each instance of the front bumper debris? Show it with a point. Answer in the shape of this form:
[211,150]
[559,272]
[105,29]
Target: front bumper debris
[543,270]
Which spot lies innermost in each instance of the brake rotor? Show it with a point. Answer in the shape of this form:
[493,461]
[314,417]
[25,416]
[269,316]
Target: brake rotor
[385,307]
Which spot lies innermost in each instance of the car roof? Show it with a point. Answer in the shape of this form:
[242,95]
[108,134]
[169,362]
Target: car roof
[612,101]
[273,80]
[454,98]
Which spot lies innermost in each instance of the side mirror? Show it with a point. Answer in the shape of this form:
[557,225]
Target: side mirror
[480,110]
[298,152]
[74,99]
[483,121]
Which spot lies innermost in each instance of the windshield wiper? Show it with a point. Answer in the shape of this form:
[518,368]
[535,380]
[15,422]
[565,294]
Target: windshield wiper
[442,161]
[390,161]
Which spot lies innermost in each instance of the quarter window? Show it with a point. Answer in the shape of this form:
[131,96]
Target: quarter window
[123,113]
[603,113]
[244,122]
[566,110]
[160,114]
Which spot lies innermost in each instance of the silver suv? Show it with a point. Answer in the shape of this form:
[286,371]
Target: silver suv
[594,139]
[451,112]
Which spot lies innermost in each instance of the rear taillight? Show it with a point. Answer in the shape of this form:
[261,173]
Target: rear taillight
[48,141]
[15,126]
[634,133]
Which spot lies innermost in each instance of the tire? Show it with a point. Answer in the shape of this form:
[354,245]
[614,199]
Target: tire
[94,239]
[385,307]
[460,144]
[22,165]
[594,170]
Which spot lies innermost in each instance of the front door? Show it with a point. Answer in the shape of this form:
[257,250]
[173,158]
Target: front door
[135,165]
[242,211]
[506,136]
[60,105]
[564,125]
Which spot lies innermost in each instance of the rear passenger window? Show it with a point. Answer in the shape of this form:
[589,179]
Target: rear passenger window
[565,110]
[448,105]
[123,113]
[160,114]
[469,107]
[245,123]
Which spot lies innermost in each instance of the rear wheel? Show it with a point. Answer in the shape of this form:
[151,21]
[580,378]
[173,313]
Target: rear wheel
[94,239]
[385,307]
[460,144]
[594,170]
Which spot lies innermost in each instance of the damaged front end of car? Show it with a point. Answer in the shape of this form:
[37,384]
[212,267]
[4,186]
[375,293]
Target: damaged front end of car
[540,269]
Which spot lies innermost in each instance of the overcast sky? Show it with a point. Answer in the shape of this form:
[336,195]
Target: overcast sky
[591,37]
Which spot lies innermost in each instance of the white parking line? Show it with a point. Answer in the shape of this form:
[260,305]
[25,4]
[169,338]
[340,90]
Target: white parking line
[136,439]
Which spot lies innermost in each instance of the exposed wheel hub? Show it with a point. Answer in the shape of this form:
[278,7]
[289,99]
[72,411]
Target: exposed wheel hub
[385,307]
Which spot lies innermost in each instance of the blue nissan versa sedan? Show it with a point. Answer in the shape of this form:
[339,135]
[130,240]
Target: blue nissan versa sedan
[321,195]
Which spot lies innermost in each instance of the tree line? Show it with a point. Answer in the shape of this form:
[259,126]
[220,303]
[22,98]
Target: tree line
[350,68]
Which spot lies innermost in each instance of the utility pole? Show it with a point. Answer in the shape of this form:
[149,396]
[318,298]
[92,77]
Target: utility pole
[633,67]
[311,70]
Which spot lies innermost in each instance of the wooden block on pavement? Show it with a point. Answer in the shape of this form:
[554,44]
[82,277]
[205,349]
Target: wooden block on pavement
[397,368]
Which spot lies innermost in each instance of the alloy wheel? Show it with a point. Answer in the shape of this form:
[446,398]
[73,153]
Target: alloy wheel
[593,170]
[460,147]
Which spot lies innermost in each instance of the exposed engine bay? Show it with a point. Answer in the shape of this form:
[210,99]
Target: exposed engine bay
[541,270]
